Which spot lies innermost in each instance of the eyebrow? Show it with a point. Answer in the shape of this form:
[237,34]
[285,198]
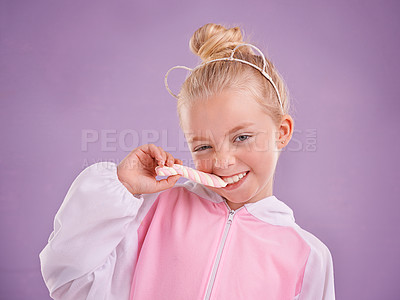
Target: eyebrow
[234,129]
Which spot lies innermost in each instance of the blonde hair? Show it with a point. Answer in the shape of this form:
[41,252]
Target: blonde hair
[213,41]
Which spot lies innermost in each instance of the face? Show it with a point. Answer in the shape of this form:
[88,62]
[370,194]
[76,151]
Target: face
[229,134]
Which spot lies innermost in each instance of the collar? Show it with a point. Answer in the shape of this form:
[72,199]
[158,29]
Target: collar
[269,209]
[272,210]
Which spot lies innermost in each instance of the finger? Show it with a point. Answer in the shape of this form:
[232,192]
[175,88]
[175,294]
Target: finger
[155,152]
[164,154]
[170,159]
[178,161]
[167,183]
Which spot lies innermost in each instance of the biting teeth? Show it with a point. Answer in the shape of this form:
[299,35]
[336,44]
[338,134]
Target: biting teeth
[235,178]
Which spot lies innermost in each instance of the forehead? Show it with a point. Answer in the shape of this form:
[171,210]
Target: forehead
[222,113]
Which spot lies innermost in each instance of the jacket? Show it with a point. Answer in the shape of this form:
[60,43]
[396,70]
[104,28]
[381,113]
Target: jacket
[181,243]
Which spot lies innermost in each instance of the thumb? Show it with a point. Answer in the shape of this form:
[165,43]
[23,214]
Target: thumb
[167,183]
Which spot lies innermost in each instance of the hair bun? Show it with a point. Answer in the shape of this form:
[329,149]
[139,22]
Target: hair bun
[213,41]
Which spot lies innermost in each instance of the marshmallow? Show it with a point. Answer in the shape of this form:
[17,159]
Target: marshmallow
[195,175]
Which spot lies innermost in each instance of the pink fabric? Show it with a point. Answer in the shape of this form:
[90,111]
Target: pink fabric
[178,244]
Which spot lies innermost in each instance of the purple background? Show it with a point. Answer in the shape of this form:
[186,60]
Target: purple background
[71,66]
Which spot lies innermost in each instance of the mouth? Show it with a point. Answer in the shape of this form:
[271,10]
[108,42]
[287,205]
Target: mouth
[234,180]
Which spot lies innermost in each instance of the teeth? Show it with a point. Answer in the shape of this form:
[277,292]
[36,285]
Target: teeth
[235,178]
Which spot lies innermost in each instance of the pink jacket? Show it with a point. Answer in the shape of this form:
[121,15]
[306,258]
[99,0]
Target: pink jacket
[181,243]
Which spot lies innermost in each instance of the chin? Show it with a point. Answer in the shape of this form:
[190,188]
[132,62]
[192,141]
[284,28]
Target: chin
[236,198]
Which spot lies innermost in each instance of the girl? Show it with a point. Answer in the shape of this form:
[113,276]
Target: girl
[122,234]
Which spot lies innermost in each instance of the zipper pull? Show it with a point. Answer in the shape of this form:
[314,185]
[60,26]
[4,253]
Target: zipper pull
[230,217]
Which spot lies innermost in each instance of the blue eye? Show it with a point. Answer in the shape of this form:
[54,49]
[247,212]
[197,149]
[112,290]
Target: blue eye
[243,135]
[240,137]
[200,148]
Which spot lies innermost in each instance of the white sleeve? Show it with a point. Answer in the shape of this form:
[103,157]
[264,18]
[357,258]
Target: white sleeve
[92,250]
[318,280]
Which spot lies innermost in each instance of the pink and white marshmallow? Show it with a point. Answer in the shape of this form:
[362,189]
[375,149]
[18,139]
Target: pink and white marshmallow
[192,174]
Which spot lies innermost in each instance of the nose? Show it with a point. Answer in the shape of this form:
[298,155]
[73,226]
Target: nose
[223,159]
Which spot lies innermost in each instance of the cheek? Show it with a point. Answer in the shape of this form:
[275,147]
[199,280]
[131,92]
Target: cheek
[202,163]
[262,143]
[261,159]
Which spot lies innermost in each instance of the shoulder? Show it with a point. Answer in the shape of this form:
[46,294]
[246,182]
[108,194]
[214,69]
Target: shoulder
[318,248]
[317,279]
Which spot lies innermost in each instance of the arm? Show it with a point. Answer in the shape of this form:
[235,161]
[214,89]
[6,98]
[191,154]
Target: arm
[318,280]
[88,255]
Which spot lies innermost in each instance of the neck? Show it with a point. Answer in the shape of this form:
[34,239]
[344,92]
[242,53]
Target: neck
[233,205]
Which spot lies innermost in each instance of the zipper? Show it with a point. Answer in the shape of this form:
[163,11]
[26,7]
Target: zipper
[220,248]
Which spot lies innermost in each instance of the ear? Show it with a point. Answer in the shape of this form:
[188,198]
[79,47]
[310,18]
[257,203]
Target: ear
[285,131]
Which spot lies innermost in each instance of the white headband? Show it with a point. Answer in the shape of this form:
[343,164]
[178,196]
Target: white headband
[231,58]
